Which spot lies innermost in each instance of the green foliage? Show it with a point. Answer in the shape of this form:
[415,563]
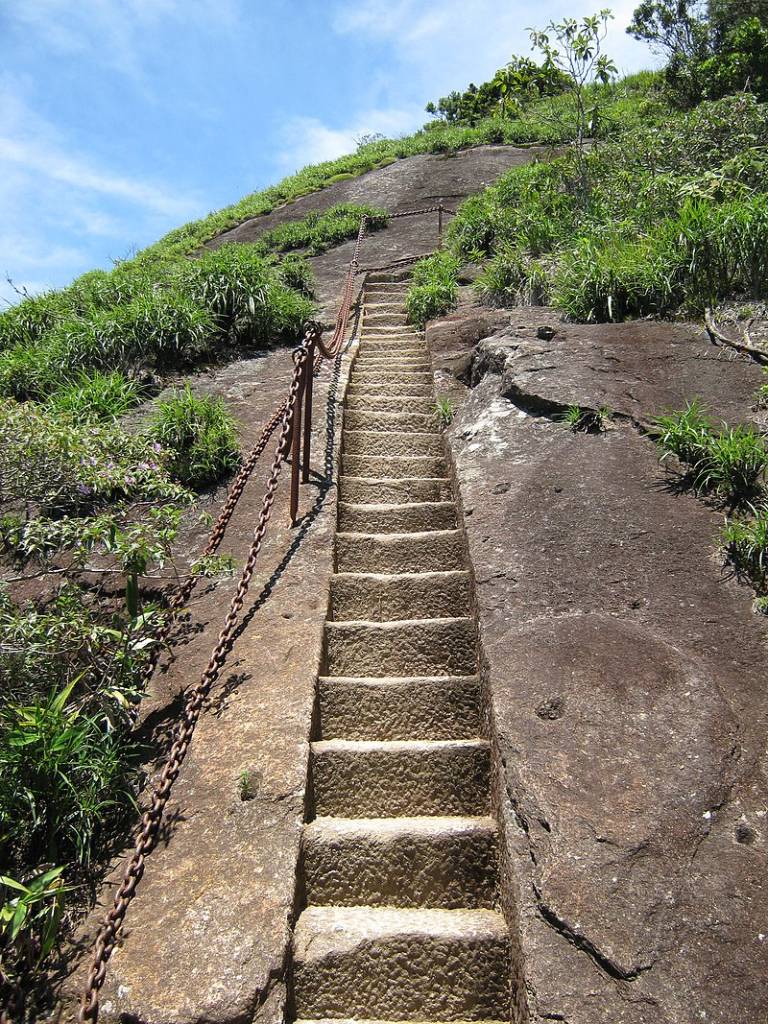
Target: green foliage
[200,434]
[585,421]
[245,295]
[65,782]
[53,466]
[320,230]
[712,51]
[673,219]
[746,546]
[434,289]
[96,396]
[730,462]
[30,914]
[444,411]
[295,272]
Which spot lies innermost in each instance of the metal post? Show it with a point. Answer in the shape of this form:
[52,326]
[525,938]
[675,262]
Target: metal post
[308,379]
[296,449]
[440,225]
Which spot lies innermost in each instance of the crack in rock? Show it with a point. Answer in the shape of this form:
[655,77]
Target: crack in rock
[583,944]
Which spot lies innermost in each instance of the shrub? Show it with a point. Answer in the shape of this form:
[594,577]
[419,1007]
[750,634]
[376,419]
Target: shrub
[612,278]
[434,289]
[746,546]
[96,396]
[52,466]
[65,780]
[200,434]
[244,294]
[730,462]
[295,272]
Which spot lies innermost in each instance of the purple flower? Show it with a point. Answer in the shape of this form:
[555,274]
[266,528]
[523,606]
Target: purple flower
[84,489]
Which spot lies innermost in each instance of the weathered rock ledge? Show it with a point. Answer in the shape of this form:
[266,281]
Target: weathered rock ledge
[626,671]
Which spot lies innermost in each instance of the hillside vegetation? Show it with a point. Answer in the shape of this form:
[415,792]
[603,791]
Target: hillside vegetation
[655,205]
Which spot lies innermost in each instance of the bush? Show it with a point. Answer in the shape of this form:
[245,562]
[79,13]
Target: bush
[746,546]
[730,462]
[318,231]
[52,466]
[613,278]
[244,295]
[65,780]
[295,272]
[433,290]
[200,434]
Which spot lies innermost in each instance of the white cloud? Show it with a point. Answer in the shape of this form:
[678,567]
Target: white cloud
[307,140]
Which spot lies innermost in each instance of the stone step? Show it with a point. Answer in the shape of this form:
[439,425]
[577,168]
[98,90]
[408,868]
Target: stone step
[384,331]
[385,377]
[386,422]
[394,468]
[406,390]
[367,490]
[341,1020]
[410,708]
[428,551]
[441,862]
[371,442]
[400,778]
[401,963]
[401,647]
[383,597]
[391,403]
[393,315]
[388,345]
[416,517]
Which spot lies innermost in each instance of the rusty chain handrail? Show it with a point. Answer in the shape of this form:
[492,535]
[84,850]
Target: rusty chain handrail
[308,359]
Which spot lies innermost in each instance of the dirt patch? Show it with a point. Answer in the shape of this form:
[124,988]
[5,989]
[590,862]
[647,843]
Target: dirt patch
[626,671]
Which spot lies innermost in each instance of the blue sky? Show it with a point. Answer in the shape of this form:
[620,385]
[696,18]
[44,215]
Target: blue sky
[120,119]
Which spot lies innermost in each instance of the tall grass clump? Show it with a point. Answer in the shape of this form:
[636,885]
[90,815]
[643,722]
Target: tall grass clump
[96,396]
[201,436]
[730,462]
[434,289]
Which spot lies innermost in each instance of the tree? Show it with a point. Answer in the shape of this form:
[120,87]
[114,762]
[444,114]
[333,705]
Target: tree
[672,27]
[574,49]
[714,48]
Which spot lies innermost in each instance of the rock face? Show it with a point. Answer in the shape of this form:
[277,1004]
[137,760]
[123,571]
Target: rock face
[626,672]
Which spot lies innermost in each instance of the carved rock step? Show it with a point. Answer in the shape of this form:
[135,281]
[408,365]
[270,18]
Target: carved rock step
[383,597]
[439,862]
[385,377]
[427,551]
[379,315]
[401,422]
[417,517]
[407,390]
[391,403]
[409,708]
[401,647]
[412,362]
[365,490]
[399,964]
[394,778]
[384,331]
[394,468]
[371,442]
[390,346]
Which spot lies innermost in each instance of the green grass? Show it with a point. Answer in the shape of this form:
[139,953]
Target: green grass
[201,436]
[730,462]
[674,220]
[433,288]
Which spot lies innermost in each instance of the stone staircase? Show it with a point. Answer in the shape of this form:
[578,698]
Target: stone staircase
[399,862]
